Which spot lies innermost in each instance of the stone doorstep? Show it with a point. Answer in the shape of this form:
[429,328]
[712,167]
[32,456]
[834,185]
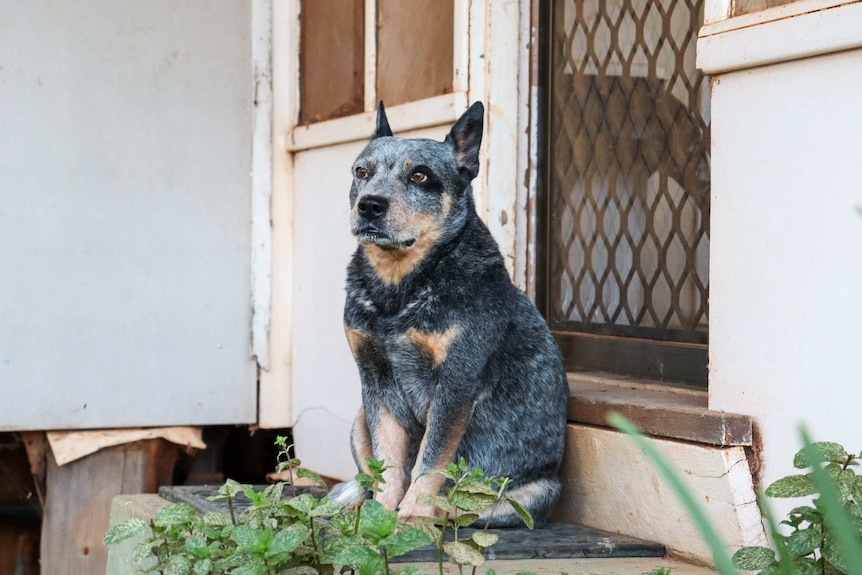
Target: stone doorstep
[146,506]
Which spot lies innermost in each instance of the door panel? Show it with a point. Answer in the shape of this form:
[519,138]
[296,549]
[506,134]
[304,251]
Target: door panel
[125,214]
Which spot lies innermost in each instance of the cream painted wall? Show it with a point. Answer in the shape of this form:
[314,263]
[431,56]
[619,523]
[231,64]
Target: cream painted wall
[786,259]
[325,382]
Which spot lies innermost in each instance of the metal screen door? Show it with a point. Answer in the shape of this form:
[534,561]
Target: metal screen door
[627,221]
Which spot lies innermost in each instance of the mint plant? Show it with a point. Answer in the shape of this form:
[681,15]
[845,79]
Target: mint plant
[812,547]
[308,535]
[469,491]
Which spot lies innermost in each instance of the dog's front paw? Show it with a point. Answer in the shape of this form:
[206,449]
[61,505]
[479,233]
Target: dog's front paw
[411,509]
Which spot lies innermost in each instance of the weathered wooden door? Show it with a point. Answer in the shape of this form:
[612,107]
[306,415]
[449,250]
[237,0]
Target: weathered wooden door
[125,152]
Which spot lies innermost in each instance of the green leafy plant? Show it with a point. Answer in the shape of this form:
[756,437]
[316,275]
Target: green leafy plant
[308,535]
[469,492]
[814,542]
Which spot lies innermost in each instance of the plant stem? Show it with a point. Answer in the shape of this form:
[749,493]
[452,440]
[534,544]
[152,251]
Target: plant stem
[314,545]
[440,543]
[358,513]
[385,562]
[230,507]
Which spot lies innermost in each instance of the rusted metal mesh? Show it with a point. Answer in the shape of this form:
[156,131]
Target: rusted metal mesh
[629,170]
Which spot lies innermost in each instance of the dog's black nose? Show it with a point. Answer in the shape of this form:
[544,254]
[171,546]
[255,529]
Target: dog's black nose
[372,207]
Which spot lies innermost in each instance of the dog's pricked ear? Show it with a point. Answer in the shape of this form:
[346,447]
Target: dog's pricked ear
[466,137]
[383,129]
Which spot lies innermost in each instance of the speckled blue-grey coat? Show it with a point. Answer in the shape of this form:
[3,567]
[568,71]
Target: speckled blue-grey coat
[455,361]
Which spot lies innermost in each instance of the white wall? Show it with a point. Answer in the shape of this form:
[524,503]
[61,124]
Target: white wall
[786,259]
[125,152]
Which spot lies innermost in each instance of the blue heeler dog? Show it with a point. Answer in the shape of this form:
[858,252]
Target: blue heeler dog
[455,361]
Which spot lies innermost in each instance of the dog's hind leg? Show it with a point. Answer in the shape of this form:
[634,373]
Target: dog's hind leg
[350,492]
[537,497]
[360,441]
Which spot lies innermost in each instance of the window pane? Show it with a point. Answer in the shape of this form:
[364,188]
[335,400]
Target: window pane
[415,49]
[332,52]
[629,170]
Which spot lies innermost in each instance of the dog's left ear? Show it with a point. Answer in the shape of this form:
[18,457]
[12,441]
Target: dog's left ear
[383,130]
[466,137]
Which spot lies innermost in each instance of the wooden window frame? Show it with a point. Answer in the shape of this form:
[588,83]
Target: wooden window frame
[424,113]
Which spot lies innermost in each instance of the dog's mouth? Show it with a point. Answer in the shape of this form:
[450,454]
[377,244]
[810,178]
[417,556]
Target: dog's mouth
[370,235]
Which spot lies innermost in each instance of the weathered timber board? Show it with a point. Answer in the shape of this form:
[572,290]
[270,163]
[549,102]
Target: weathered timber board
[554,540]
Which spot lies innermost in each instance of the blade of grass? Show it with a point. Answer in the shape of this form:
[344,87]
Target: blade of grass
[719,553]
[785,561]
[835,515]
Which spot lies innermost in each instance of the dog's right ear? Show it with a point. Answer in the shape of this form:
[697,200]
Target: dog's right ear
[466,137]
[383,130]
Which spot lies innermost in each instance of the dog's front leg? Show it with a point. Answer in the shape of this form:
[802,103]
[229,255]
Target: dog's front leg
[448,416]
[390,443]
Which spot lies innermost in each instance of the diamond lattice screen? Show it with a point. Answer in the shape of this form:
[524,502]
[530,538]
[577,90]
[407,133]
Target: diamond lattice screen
[629,170]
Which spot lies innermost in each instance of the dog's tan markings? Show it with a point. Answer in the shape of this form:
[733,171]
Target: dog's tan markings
[435,344]
[391,443]
[393,265]
[408,164]
[447,204]
[355,339]
[432,483]
[361,440]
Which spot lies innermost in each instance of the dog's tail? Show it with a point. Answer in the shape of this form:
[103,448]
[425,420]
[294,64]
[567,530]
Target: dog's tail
[347,493]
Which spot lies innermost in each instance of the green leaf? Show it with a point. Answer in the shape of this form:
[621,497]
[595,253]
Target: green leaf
[287,540]
[466,519]
[197,546]
[303,503]
[178,565]
[308,474]
[125,530]
[364,479]
[368,561]
[404,541]
[471,501]
[821,451]
[254,567]
[376,522]
[791,486]
[834,515]
[252,540]
[484,539]
[174,514]
[299,570]
[521,511]
[203,567]
[426,500]
[473,486]
[804,541]
[807,513]
[409,570]
[754,558]
[806,566]
[326,508]
[142,551]
[463,554]
[214,519]
[230,488]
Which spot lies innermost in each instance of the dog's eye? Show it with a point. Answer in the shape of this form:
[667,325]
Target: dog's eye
[418,176]
[361,172]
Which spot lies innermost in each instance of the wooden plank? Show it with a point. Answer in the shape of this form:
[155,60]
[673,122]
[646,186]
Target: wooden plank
[78,501]
[662,411]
